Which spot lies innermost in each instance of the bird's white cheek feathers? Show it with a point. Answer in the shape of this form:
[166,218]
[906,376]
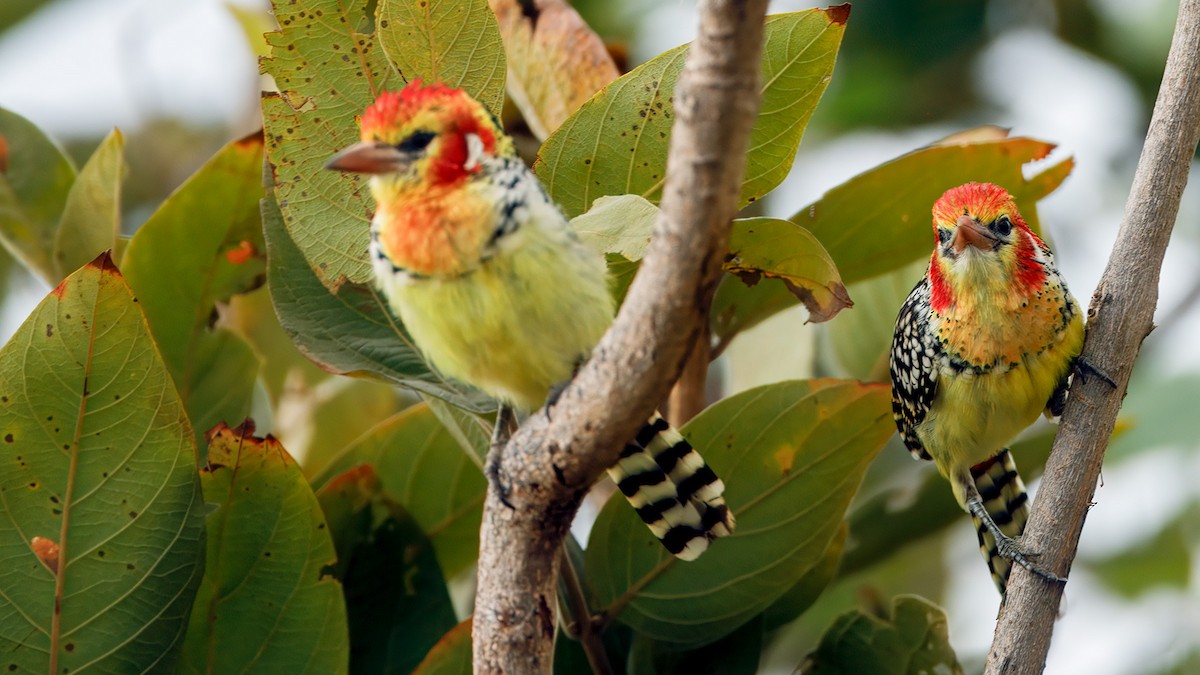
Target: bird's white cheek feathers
[474,152]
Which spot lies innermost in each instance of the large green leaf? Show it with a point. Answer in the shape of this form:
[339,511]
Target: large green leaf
[266,603]
[455,42]
[202,245]
[91,218]
[805,592]
[735,654]
[913,641]
[880,220]
[102,514]
[35,177]
[616,143]
[396,597]
[423,468]
[329,65]
[792,455]
[348,331]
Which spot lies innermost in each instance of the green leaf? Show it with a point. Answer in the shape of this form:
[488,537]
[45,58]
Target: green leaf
[348,331]
[329,66]
[619,224]
[735,654]
[91,218]
[778,249]
[880,220]
[805,592]
[202,245]
[455,42]
[861,340]
[98,482]
[912,641]
[35,177]
[422,467]
[451,655]
[791,455]
[396,598]
[616,143]
[265,601]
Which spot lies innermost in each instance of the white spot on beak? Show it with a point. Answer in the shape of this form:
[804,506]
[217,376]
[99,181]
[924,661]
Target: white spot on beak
[474,152]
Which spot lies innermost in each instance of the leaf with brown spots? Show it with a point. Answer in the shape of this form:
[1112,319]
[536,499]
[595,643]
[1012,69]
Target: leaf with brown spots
[101,525]
[265,598]
[555,61]
[616,143]
[328,59]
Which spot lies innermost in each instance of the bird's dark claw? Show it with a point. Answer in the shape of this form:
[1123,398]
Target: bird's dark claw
[1084,368]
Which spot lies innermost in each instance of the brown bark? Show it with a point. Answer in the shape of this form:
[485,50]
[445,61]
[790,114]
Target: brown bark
[540,476]
[1120,317]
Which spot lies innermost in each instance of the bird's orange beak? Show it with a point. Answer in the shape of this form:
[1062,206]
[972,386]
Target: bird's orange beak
[969,233]
[368,157]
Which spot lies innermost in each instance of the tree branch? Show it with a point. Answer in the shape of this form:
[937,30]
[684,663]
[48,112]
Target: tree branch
[1120,317]
[553,459]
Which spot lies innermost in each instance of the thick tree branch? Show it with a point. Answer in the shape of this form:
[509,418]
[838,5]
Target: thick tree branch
[549,464]
[1120,317]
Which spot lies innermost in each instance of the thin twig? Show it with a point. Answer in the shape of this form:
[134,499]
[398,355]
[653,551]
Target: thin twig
[584,627]
[1120,317]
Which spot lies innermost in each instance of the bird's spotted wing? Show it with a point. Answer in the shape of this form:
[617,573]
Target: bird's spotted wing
[914,367]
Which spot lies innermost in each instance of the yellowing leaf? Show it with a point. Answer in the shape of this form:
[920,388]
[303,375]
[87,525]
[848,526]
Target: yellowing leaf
[555,61]
[620,224]
[778,249]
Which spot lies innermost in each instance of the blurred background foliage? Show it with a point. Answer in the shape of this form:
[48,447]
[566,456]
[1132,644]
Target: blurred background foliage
[180,79]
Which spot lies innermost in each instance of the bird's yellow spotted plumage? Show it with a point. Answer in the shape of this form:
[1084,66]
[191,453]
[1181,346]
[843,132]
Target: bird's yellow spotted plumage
[983,345]
[496,289]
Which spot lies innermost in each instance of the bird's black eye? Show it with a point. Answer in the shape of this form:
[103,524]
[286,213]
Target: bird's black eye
[1002,226]
[416,141]
[943,234]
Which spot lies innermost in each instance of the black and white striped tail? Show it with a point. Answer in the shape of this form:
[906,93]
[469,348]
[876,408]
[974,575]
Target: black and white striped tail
[675,493]
[1005,500]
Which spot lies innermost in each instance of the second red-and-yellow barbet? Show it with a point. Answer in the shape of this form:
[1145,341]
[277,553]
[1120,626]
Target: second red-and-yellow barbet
[497,290]
[985,343]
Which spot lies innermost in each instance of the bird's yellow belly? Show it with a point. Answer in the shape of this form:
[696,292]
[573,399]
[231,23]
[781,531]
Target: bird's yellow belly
[512,328]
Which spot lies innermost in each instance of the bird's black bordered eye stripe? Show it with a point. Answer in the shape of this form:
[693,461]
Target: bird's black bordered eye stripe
[943,234]
[1002,226]
[416,141]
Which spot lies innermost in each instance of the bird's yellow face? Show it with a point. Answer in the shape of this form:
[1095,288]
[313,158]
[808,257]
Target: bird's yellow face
[982,246]
[423,137]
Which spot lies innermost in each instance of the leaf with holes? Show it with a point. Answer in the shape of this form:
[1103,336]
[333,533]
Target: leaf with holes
[913,640]
[348,331]
[555,60]
[792,456]
[880,220]
[266,600]
[35,177]
[202,245]
[102,511]
[421,465]
[616,143]
[329,64]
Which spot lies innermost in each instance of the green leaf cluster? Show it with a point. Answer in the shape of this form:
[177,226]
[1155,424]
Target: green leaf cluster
[147,527]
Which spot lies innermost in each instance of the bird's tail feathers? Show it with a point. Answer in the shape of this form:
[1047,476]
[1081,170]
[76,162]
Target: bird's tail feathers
[674,492]
[1004,497]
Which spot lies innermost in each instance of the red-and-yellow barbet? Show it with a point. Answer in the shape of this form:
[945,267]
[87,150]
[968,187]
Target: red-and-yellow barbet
[985,343]
[496,289]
